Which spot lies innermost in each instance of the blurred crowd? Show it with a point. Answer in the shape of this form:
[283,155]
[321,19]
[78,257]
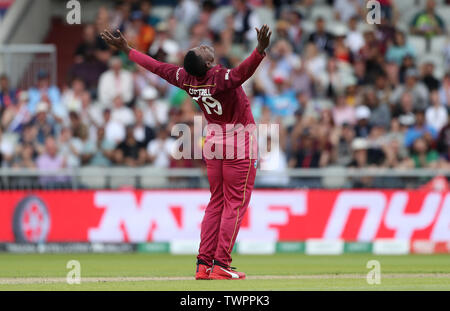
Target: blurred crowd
[344,92]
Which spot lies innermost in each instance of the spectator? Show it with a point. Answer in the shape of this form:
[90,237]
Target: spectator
[422,156]
[45,92]
[72,97]
[322,39]
[155,111]
[100,152]
[51,161]
[91,44]
[283,103]
[354,39]
[7,95]
[362,127]
[26,157]
[44,122]
[428,78]
[343,113]
[121,113]
[275,160]
[346,9]
[70,147]
[139,33]
[399,49]
[160,150]
[444,91]
[420,129]
[306,154]
[436,115]
[412,85]
[114,131]
[130,152]
[16,116]
[115,82]
[245,21]
[427,23]
[142,132]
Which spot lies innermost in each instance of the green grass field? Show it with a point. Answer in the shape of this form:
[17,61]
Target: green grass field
[274,272]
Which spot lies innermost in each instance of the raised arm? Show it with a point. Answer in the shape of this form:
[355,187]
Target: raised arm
[235,77]
[168,72]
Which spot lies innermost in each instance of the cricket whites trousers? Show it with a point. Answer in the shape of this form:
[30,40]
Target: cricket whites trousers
[231,184]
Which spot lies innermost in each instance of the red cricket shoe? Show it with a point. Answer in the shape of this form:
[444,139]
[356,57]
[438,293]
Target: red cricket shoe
[222,272]
[203,271]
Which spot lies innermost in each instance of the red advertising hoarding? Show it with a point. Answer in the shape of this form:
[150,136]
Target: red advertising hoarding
[274,215]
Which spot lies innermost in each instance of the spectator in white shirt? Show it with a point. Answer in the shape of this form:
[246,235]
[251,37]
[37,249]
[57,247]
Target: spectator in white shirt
[161,149]
[115,82]
[436,115]
[155,111]
[121,113]
[354,39]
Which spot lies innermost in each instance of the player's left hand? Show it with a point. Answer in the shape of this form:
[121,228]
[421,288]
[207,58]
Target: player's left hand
[263,35]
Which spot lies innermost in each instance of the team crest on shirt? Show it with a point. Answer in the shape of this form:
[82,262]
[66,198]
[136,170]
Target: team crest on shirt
[256,163]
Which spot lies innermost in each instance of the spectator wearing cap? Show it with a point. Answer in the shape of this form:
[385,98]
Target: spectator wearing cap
[16,116]
[361,159]
[44,122]
[115,82]
[44,91]
[412,85]
[362,127]
[155,111]
[7,94]
[321,38]
[436,115]
[419,129]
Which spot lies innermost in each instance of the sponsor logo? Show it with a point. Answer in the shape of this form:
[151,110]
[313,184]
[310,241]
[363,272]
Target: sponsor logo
[31,220]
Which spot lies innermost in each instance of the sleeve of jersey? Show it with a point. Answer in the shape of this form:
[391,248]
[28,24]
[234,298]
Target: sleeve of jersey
[233,78]
[171,73]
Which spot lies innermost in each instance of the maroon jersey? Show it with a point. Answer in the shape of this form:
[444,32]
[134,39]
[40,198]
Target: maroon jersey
[219,93]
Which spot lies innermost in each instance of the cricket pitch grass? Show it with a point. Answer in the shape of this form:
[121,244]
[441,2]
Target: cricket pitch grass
[176,272]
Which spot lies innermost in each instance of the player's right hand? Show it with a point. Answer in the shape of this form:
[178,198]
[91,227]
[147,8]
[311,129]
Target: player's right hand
[119,42]
[263,35]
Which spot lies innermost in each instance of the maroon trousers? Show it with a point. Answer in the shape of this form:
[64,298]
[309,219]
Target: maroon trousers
[231,184]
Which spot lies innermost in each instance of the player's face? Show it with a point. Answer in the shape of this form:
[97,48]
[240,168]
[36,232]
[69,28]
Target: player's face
[206,53]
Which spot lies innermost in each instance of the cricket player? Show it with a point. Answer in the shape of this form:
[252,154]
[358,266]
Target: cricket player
[231,171]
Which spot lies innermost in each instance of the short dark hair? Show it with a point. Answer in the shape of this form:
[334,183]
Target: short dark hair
[194,64]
